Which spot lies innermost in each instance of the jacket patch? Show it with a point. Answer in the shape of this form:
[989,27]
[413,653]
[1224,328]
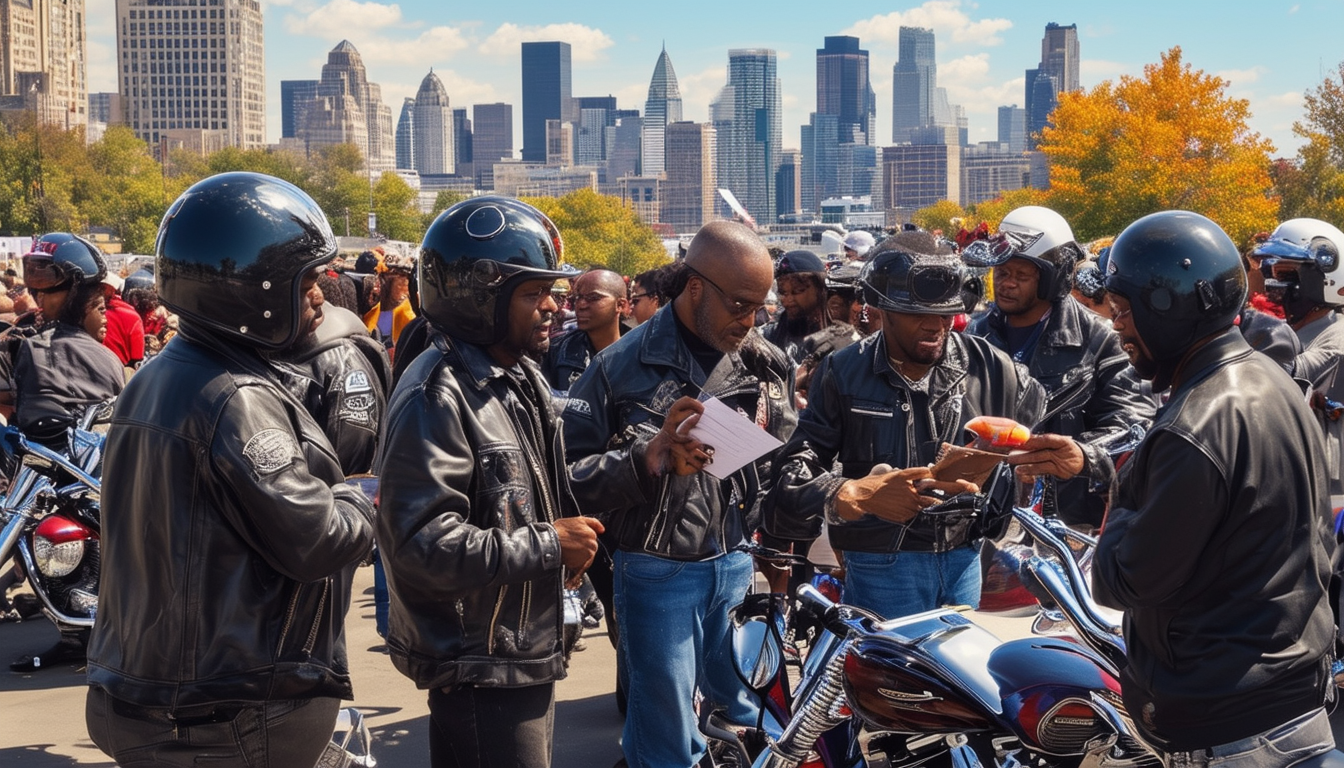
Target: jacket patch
[357,408]
[357,381]
[664,396]
[579,408]
[270,450]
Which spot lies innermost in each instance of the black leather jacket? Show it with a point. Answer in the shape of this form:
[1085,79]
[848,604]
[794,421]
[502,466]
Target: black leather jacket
[57,372]
[229,538]
[1218,550]
[471,475]
[1093,393]
[567,359]
[861,413]
[616,407]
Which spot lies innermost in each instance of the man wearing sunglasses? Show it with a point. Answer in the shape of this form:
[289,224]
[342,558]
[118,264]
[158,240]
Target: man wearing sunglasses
[599,297]
[1093,393]
[892,399]
[677,528]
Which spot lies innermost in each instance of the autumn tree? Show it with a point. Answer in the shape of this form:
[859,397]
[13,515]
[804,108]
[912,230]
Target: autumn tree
[1312,184]
[602,231]
[991,212]
[939,216]
[1170,139]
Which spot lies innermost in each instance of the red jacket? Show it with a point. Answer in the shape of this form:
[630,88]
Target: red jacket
[125,332]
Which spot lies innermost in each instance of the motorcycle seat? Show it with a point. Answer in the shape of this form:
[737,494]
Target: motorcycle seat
[1332,759]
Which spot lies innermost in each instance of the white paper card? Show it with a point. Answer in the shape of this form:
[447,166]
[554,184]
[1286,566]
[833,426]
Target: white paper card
[736,440]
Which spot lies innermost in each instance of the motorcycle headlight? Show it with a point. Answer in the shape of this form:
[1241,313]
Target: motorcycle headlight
[54,559]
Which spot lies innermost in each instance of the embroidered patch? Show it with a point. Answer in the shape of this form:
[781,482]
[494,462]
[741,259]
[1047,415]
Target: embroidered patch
[357,381]
[357,408]
[664,396]
[579,408]
[270,450]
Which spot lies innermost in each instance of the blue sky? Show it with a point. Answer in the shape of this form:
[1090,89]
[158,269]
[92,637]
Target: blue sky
[1271,52]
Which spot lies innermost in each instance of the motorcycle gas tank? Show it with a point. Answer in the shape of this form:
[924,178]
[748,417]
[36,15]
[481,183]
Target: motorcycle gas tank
[924,674]
[1046,684]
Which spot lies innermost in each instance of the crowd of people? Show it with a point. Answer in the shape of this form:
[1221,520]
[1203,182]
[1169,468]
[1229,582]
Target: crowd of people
[518,458]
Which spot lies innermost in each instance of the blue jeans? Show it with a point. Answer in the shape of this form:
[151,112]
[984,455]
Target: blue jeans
[675,636]
[1294,741]
[893,584]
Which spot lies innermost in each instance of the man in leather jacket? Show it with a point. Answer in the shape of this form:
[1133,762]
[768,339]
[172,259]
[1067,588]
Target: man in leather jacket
[1093,394]
[893,399]
[478,528]
[676,527]
[599,304]
[229,536]
[1218,544]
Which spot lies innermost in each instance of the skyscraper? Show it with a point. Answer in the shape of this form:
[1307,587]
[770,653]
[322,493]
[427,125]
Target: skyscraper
[295,96]
[821,150]
[196,68]
[462,142]
[746,117]
[350,110]
[914,79]
[843,88]
[662,108]
[1057,72]
[1013,128]
[43,56]
[492,140]
[406,135]
[433,128]
[547,94]
[688,193]
[592,116]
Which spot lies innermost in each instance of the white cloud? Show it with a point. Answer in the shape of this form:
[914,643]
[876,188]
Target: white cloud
[586,43]
[434,44]
[462,91]
[1093,71]
[1289,99]
[341,18]
[945,17]
[1241,77]
[698,89]
[1294,9]
[101,50]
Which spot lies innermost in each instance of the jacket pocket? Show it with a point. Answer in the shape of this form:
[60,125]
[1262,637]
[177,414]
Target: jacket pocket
[504,494]
[871,430]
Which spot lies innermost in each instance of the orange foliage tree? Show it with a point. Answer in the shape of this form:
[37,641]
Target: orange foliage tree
[1171,139]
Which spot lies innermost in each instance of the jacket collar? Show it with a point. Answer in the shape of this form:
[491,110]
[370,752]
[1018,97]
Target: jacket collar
[474,360]
[662,343]
[950,368]
[1063,328]
[1219,351]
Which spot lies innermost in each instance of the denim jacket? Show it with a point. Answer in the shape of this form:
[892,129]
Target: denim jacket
[616,407]
[861,413]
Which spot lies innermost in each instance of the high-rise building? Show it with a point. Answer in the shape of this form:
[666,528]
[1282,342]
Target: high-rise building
[913,84]
[1057,72]
[547,94]
[821,148]
[433,128]
[462,142]
[105,108]
[295,97]
[746,117]
[688,193]
[193,68]
[843,88]
[662,108]
[406,135]
[623,145]
[988,170]
[1013,128]
[349,109]
[43,58]
[916,176]
[491,140]
[559,143]
[858,172]
[788,183]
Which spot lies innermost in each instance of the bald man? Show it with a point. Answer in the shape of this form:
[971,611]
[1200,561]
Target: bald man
[600,299]
[674,525]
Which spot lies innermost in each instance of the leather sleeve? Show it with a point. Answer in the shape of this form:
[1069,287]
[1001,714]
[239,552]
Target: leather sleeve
[803,484]
[605,481]
[1117,401]
[429,534]
[304,527]
[1145,556]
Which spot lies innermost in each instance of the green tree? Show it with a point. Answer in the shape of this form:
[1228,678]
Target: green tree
[939,216]
[398,209]
[602,231]
[125,189]
[1312,184]
[1170,139]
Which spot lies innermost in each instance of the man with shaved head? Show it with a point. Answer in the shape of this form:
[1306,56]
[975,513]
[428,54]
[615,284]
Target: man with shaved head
[600,299]
[676,526]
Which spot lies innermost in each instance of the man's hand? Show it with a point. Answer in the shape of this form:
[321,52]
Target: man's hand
[895,496]
[673,449]
[1053,455]
[578,545]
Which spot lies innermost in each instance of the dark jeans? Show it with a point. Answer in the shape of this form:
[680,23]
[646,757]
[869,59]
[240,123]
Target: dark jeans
[277,734]
[476,727]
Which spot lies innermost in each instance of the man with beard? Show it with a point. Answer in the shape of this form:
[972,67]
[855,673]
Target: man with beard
[1093,394]
[800,280]
[677,527]
[1303,257]
[230,536]
[599,302]
[1218,545]
[892,399]
[478,528]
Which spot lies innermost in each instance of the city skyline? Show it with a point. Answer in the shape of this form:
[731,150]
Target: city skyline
[983,50]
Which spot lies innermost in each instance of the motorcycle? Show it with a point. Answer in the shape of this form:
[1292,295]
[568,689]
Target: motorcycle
[49,517]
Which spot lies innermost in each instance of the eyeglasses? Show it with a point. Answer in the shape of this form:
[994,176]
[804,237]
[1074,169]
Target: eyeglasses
[635,298]
[736,307]
[590,298]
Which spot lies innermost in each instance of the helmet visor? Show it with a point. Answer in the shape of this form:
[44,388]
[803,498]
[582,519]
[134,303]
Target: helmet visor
[923,288]
[1283,249]
[996,250]
[42,273]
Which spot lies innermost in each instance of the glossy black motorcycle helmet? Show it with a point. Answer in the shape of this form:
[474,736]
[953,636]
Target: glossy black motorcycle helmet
[472,258]
[60,259]
[232,252]
[1183,278]
[911,272]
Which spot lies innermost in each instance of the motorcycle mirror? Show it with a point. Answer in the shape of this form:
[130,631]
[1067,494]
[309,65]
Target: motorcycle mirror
[756,655]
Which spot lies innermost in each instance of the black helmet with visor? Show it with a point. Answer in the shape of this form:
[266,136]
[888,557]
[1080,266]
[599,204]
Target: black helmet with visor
[911,272]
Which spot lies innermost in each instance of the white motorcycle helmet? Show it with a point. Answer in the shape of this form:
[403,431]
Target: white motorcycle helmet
[1316,246]
[1038,235]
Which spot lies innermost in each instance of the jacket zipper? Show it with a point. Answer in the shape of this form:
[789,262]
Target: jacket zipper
[317,620]
[655,527]
[289,619]
[494,620]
